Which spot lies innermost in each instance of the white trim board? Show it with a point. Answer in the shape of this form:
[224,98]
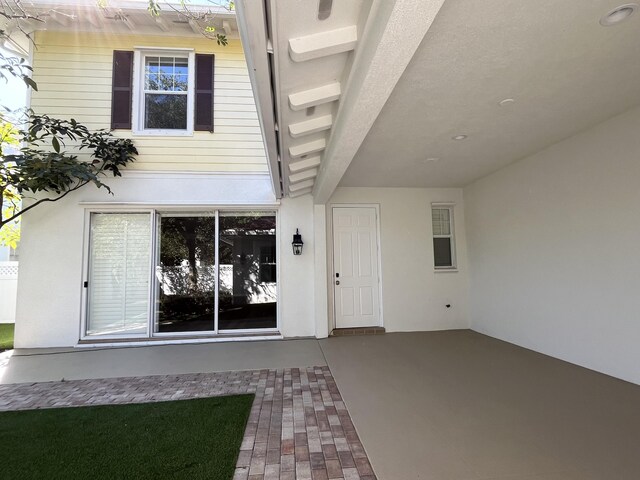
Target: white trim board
[153,343]
[186,174]
[177,205]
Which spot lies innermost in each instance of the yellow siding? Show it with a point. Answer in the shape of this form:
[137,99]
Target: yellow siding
[73,73]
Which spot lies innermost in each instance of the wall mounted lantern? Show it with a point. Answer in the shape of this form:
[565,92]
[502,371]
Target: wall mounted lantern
[297,243]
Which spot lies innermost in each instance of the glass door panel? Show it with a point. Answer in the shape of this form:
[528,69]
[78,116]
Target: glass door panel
[118,280]
[185,274]
[247,256]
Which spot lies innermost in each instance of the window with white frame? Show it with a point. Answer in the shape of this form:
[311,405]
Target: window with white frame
[165,86]
[444,254]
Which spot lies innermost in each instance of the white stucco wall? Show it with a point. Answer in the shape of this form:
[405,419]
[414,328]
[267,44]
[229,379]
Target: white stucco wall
[296,272]
[52,249]
[413,294]
[553,247]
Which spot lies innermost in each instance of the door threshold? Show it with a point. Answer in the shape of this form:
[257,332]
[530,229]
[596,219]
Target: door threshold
[178,340]
[342,332]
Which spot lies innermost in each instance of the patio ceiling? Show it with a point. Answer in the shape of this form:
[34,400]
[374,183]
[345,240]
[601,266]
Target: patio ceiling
[564,71]
[414,74]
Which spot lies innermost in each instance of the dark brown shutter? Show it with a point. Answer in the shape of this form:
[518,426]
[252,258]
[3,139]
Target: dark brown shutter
[121,89]
[204,93]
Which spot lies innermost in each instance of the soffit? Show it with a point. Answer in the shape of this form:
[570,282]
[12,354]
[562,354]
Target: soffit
[312,59]
[565,72]
[125,17]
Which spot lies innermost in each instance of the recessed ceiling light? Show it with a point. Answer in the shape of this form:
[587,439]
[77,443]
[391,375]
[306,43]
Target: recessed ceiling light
[459,137]
[506,102]
[618,14]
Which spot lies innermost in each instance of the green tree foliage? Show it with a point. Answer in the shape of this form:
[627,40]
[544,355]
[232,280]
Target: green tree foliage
[203,19]
[34,158]
[15,67]
[43,166]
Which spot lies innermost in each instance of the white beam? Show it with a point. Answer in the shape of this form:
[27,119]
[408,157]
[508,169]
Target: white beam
[228,29]
[304,164]
[296,187]
[307,148]
[128,22]
[61,18]
[322,44]
[393,32]
[96,19]
[16,42]
[306,175]
[195,27]
[161,23]
[299,193]
[320,267]
[314,96]
[308,127]
[27,25]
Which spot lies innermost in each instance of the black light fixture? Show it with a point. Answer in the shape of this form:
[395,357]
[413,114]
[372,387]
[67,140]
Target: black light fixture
[297,243]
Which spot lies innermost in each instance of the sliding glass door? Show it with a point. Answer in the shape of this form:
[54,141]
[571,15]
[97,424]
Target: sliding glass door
[118,282]
[248,288]
[176,265]
[185,273]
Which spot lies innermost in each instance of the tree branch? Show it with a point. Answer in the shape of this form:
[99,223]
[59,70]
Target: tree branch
[43,200]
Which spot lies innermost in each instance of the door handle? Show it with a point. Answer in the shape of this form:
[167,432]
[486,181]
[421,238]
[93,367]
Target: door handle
[337,282]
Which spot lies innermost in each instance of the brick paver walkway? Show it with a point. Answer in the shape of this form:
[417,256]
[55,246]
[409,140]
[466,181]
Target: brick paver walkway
[298,429]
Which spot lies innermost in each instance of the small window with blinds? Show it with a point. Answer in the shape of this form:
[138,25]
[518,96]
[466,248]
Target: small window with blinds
[443,237]
[118,278]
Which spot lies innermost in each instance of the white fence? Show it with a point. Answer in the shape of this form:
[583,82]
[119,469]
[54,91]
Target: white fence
[8,291]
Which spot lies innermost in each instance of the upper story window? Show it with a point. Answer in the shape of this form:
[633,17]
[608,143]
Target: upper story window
[162,91]
[444,252]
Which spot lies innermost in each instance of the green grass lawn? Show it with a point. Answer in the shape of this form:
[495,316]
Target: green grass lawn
[6,336]
[191,439]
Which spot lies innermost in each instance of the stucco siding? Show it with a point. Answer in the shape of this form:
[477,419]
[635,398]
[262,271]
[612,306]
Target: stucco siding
[73,72]
[553,248]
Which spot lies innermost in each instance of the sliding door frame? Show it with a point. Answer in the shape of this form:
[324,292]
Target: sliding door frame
[155,212]
[87,263]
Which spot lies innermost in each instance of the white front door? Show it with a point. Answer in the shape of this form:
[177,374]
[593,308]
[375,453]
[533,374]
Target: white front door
[355,272]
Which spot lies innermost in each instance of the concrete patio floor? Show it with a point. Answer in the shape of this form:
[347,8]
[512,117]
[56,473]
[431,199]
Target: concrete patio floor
[452,405]
[45,365]
[458,405]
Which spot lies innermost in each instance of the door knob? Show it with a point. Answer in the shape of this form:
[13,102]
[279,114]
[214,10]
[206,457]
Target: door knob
[337,282]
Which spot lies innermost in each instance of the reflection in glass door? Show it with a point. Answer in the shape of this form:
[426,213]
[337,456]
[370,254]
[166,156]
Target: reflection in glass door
[247,256]
[185,273]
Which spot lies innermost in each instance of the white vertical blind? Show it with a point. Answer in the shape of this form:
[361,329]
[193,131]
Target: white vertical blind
[119,271]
